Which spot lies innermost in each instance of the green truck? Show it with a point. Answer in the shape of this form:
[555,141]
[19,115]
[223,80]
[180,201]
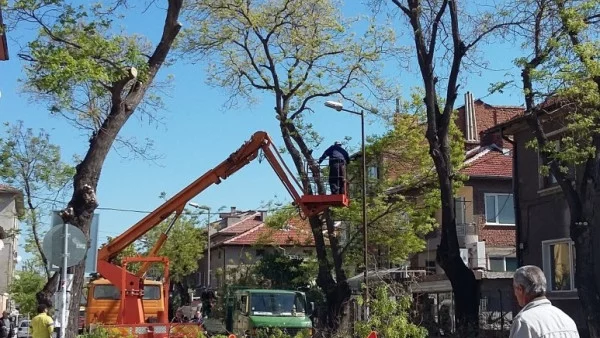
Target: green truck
[253,312]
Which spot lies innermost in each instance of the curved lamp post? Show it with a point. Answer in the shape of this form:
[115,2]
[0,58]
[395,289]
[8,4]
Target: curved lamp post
[207,209]
[340,107]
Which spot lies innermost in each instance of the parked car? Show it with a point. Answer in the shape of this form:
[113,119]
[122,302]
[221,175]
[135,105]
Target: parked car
[81,323]
[23,329]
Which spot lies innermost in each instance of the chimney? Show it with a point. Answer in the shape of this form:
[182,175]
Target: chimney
[487,139]
[263,215]
[470,120]
[395,118]
[229,218]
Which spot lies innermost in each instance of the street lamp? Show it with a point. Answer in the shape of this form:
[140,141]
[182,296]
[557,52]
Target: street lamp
[340,107]
[207,209]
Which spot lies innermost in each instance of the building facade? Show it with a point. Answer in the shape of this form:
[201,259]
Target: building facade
[543,217]
[241,238]
[484,205]
[11,207]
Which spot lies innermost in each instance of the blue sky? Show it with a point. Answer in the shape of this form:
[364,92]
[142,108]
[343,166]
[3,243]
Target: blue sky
[197,134]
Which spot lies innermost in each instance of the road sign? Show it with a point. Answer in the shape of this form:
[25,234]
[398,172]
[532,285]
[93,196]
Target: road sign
[53,245]
[92,254]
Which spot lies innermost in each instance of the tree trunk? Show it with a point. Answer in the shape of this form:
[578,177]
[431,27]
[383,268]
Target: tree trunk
[81,207]
[585,279]
[46,295]
[464,285]
[337,291]
[584,229]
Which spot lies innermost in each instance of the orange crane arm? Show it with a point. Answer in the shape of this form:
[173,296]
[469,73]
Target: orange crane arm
[244,155]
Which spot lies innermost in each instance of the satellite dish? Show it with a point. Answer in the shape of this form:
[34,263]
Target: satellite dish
[53,245]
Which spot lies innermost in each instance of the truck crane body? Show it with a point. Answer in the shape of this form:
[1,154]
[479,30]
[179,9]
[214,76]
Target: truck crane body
[132,285]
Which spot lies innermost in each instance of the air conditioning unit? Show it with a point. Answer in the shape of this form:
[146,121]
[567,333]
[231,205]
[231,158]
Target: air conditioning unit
[477,255]
[464,254]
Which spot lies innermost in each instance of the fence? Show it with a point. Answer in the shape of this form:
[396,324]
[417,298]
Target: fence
[171,330]
[435,312]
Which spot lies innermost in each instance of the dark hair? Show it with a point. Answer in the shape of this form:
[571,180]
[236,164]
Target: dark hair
[41,308]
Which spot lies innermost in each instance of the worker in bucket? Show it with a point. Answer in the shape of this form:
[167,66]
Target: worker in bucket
[338,158]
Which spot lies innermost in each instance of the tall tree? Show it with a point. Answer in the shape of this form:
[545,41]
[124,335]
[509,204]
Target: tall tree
[403,191]
[438,29]
[96,78]
[561,72]
[29,162]
[297,51]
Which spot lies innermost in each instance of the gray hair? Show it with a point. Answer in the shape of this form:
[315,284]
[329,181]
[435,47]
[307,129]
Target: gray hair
[531,279]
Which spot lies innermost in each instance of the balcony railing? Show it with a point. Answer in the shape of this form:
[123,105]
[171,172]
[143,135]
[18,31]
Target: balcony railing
[465,229]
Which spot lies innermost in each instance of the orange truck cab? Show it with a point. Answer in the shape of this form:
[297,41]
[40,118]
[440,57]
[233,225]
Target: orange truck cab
[104,299]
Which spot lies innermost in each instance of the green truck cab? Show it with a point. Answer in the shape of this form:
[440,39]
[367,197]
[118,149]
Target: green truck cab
[251,312]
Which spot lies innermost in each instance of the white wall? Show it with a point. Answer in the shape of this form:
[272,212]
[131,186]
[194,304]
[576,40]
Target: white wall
[8,254]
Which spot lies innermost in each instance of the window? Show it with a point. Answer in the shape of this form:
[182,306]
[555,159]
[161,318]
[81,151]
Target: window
[243,304]
[109,291]
[496,263]
[152,292]
[430,266]
[279,304]
[559,264]
[511,263]
[549,181]
[106,292]
[372,172]
[501,264]
[499,209]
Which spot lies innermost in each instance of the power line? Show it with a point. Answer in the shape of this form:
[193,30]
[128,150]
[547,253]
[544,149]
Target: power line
[272,209]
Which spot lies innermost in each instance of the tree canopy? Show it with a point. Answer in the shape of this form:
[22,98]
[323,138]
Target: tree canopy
[94,75]
[35,166]
[295,52]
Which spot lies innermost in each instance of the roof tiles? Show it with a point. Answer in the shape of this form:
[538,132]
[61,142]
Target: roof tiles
[296,232]
[489,163]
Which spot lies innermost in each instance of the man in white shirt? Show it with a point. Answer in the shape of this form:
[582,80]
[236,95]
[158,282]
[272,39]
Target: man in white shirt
[538,318]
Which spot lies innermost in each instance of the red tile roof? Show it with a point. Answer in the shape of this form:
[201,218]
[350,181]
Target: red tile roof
[244,225]
[489,162]
[3,42]
[296,232]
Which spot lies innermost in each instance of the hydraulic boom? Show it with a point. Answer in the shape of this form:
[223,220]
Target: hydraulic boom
[132,284]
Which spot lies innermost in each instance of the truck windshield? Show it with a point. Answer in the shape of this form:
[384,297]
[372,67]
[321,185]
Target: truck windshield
[280,304]
[151,292]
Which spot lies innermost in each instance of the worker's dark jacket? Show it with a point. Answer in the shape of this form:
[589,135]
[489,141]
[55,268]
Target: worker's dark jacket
[338,158]
[336,154]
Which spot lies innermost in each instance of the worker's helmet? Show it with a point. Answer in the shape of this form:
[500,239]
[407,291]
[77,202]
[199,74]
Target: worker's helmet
[337,143]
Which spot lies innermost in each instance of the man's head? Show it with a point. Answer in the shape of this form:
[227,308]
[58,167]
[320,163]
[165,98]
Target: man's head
[5,314]
[529,283]
[42,308]
[198,314]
